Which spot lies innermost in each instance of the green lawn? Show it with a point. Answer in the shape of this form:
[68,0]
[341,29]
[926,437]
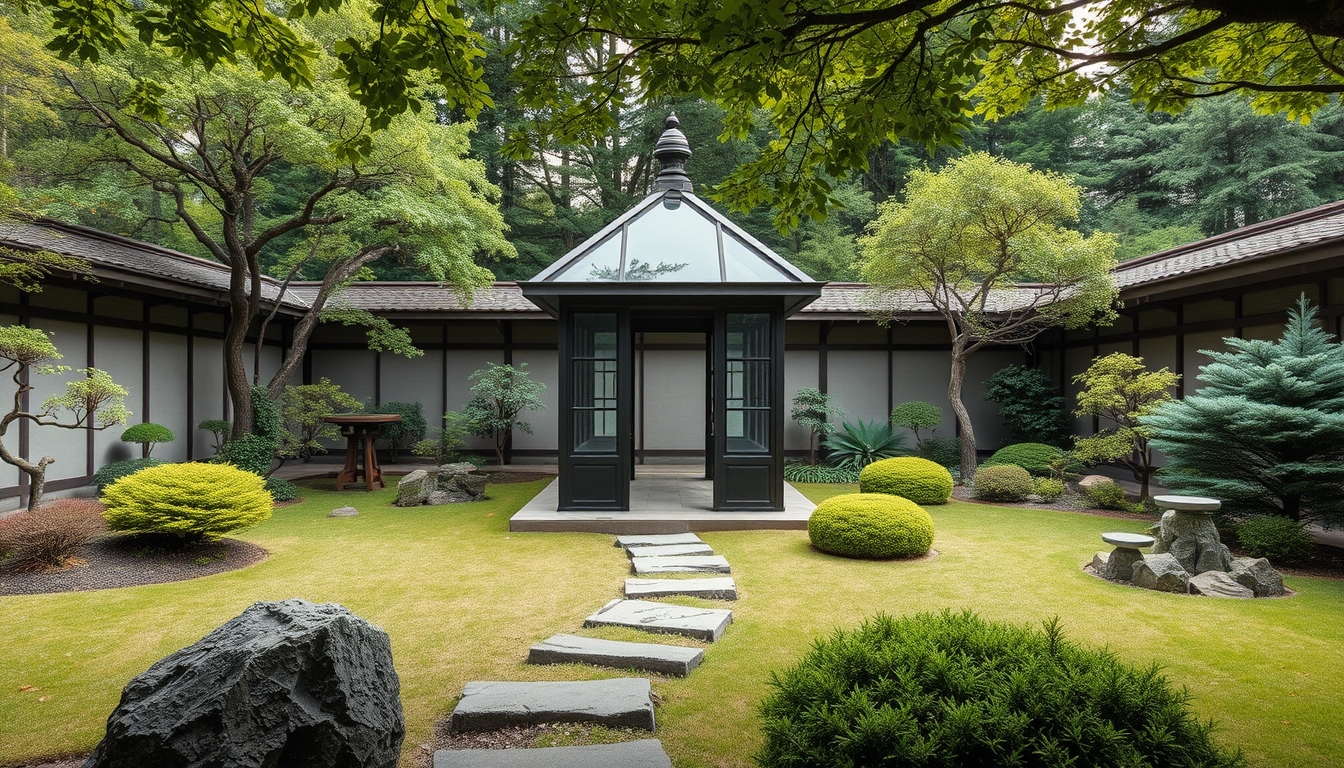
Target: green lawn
[462,599]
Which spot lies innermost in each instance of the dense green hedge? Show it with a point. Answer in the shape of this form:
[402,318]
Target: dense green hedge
[919,480]
[951,690]
[1006,482]
[1033,457]
[870,525]
[190,501]
[1277,538]
[281,489]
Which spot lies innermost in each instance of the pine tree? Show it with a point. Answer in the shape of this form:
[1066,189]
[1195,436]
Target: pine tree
[1265,431]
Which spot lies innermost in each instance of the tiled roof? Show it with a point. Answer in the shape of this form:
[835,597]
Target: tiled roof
[122,254]
[420,297]
[1268,238]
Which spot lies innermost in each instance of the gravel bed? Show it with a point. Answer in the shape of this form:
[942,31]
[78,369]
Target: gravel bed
[124,561]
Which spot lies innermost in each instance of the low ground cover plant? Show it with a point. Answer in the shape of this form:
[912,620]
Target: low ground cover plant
[919,480]
[1277,538]
[800,472]
[871,525]
[188,502]
[110,473]
[952,689]
[281,489]
[51,535]
[1006,482]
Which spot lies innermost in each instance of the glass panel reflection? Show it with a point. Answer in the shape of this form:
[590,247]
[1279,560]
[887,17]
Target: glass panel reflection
[601,264]
[672,245]
[595,382]
[743,265]
[748,372]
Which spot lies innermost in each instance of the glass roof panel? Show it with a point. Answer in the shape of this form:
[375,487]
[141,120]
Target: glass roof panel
[602,264]
[743,265]
[672,245]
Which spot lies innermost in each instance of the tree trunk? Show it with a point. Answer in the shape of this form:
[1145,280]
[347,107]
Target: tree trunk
[954,384]
[37,478]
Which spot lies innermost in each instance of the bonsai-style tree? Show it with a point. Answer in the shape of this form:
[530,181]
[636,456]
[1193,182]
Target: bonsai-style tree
[1029,403]
[1120,390]
[813,411]
[500,393]
[1265,431]
[147,434]
[221,430]
[95,401]
[983,243]
[916,415]
[302,408]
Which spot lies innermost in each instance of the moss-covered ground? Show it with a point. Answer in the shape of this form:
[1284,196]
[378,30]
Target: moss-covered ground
[462,599]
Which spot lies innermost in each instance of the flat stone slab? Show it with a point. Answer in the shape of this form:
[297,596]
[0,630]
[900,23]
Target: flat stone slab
[680,564]
[715,588]
[670,550]
[1188,503]
[657,540]
[489,706]
[705,624]
[672,660]
[1127,540]
[645,753]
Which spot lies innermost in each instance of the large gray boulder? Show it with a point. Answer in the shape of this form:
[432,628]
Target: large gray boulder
[414,488]
[1257,575]
[1193,539]
[1120,563]
[289,684]
[1162,572]
[1218,584]
[458,482]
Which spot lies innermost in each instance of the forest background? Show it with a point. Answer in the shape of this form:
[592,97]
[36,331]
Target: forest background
[1157,180]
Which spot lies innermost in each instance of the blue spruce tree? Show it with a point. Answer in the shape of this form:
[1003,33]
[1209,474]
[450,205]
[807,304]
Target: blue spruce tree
[1265,431]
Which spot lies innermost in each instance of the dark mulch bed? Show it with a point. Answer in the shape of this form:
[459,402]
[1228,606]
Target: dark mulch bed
[523,737]
[126,561]
[509,478]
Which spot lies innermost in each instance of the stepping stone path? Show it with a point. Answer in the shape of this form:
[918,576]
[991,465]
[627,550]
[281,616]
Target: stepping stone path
[716,588]
[671,550]
[674,660]
[680,564]
[657,540]
[489,706]
[645,753]
[705,624]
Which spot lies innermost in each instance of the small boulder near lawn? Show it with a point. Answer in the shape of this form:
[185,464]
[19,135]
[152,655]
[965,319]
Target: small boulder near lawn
[288,683]
[448,484]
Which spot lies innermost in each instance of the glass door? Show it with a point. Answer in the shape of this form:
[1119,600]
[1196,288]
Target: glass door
[596,427]
[748,383]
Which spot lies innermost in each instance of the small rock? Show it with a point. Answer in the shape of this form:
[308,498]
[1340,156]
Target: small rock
[457,468]
[1098,564]
[1035,499]
[344,512]
[1162,572]
[1257,575]
[1091,480]
[1218,584]
[414,488]
[448,497]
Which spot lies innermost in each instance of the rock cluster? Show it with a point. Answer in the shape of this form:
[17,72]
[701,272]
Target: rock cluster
[448,484]
[288,683]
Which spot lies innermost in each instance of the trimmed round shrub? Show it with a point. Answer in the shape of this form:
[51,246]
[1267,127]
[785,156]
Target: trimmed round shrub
[189,501]
[113,472]
[1033,457]
[952,689]
[51,535]
[1048,488]
[799,472]
[919,480]
[1107,494]
[870,525]
[281,489]
[1277,538]
[1006,482]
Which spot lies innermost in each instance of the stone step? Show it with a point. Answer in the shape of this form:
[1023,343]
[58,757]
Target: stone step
[680,564]
[645,753]
[714,588]
[705,624]
[657,540]
[673,660]
[489,706]
[670,550]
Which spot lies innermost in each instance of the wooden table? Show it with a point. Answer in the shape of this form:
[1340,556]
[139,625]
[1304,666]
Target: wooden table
[360,430]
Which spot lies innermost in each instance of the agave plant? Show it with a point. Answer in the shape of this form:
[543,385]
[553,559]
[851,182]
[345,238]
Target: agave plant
[855,446]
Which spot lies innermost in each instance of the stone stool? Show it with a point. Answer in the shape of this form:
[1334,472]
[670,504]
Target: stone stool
[1120,563]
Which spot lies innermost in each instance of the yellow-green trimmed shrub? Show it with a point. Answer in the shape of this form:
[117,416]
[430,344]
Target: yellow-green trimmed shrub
[190,501]
[871,525]
[1048,488]
[1007,482]
[919,480]
[1033,457]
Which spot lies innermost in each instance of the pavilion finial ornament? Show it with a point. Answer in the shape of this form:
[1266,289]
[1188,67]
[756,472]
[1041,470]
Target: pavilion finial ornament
[672,151]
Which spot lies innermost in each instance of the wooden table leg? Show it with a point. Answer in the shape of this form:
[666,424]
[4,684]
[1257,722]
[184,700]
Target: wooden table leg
[351,470]
[373,474]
